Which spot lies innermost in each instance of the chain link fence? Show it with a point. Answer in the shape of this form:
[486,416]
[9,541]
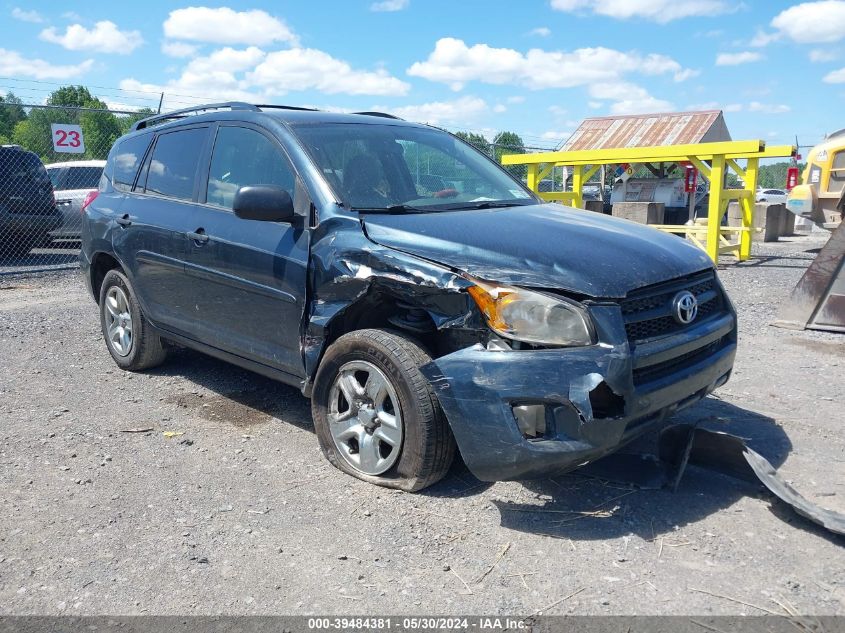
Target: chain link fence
[51,158]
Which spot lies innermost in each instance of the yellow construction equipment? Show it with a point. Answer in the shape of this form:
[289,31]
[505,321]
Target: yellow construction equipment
[819,198]
[712,160]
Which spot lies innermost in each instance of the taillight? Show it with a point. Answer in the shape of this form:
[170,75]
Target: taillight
[89,198]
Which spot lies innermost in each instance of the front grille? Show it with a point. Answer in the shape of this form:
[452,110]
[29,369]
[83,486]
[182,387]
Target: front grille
[659,370]
[648,312]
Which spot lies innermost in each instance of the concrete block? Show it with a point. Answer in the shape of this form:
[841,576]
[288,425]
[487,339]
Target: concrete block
[768,217]
[597,206]
[734,213]
[787,225]
[640,212]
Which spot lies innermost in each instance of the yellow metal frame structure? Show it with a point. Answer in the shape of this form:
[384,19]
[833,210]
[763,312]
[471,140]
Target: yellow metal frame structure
[712,160]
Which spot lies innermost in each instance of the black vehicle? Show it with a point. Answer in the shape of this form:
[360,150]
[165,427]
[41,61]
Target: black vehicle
[309,247]
[28,210]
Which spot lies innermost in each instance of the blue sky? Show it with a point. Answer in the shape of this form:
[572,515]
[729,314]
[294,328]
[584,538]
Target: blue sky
[776,67]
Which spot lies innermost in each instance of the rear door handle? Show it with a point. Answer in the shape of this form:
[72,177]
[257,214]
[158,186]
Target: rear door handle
[124,220]
[64,201]
[199,236]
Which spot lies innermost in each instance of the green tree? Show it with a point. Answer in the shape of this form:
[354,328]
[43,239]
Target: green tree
[11,113]
[99,128]
[127,121]
[476,140]
[509,143]
[774,176]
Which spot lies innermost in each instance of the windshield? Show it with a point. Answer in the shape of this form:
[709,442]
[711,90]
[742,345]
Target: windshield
[403,169]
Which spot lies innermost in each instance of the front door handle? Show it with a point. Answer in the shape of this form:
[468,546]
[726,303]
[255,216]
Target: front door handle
[124,220]
[199,236]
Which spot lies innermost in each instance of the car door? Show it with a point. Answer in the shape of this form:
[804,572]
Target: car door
[153,221]
[248,278]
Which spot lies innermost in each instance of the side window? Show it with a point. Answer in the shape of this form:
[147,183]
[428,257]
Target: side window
[127,160]
[244,157]
[57,177]
[836,180]
[173,167]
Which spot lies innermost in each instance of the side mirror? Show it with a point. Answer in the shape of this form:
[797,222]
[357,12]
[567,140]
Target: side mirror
[267,203]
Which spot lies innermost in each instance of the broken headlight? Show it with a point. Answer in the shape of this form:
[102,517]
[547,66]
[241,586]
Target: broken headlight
[532,317]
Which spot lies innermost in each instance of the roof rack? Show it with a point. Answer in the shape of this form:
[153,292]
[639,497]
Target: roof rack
[178,114]
[234,105]
[287,107]
[381,114]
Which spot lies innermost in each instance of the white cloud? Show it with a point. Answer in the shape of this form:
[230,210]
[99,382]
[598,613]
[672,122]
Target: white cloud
[715,105]
[119,105]
[661,11]
[251,74]
[768,108]
[500,107]
[226,26]
[541,31]
[813,22]
[105,37]
[835,77]
[179,49]
[819,55]
[554,135]
[14,64]
[181,92]
[516,99]
[390,5]
[761,39]
[27,16]
[686,73]
[465,110]
[306,68]
[629,98]
[454,63]
[735,59]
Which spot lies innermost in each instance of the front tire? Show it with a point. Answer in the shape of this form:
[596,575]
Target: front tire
[129,338]
[375,414]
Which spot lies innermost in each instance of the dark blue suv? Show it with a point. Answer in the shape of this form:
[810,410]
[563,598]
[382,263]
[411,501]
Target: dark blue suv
[421,296]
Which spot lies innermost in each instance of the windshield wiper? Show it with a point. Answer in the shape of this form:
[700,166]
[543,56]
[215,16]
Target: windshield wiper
[485,204]
[395,209]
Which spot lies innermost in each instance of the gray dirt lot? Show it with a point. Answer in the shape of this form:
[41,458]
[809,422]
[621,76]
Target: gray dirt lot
[239,513]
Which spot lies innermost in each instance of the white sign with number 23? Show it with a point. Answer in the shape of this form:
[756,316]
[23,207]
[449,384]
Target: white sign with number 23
[67,138]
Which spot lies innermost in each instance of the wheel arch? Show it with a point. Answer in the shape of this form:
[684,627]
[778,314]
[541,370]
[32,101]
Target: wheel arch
[436,319]
[102,263]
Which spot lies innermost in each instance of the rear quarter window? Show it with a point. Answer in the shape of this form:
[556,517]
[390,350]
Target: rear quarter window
[128,156]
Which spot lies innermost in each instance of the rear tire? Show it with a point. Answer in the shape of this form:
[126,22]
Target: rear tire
[129,338]
[397,412]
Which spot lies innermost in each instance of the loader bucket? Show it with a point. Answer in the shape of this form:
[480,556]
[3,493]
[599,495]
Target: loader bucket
[818,300]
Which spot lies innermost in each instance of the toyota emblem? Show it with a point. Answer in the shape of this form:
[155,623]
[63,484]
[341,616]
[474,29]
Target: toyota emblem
[685,307]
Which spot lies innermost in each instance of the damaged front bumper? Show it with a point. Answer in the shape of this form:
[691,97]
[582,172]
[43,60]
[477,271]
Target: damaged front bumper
[595,398]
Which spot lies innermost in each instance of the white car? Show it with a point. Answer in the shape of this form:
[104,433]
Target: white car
[773,196]
[72,181]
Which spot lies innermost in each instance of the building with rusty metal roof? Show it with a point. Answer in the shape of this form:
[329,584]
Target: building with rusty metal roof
[643,130]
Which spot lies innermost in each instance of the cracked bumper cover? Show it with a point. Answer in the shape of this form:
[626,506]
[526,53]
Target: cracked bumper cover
[477,389]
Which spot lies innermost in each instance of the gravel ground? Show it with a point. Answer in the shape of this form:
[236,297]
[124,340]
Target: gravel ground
[227,506]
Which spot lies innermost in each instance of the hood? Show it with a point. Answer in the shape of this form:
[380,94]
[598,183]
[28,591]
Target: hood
[542,246]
